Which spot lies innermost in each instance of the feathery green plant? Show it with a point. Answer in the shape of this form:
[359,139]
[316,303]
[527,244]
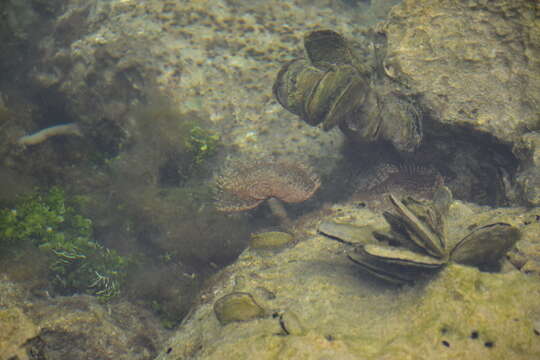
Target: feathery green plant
[76,262]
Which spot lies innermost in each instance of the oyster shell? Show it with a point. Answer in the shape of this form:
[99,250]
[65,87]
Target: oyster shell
[418,229]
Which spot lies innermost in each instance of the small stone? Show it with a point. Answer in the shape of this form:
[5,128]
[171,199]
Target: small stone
[270,240]
[237,306]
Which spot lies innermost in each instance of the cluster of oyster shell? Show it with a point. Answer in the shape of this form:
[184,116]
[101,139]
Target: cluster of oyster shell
[416,244]
[330,86]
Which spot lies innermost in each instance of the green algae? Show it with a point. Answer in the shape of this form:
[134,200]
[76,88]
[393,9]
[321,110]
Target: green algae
[76,263]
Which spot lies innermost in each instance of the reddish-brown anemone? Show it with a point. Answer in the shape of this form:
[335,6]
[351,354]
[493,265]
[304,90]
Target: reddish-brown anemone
[244,186]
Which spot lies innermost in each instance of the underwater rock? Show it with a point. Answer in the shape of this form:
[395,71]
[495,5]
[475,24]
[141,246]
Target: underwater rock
[344,314]
[15,330]
[270,240]
[74,327]
[237,306]
[482,90]
[488,82]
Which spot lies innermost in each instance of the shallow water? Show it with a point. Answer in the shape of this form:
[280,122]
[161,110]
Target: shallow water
[139,110]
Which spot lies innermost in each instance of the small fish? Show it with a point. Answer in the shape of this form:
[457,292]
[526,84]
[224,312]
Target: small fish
[399,179]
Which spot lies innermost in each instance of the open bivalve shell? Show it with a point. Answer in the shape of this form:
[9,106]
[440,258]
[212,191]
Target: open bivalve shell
[418,228]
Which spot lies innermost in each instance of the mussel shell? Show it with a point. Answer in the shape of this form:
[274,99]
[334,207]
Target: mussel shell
[485,245]
[364,126]
[346,233]
[382,272]
[442,200]
[401,256]
[419,232]
[427,213]
[338,95]
[327,47]
[294,82]
[401,122]
[399,232]
[393,273]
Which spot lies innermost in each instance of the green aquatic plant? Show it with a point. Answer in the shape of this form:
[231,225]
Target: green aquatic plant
[202,143]
[167,146]
[35,219]
[76,262]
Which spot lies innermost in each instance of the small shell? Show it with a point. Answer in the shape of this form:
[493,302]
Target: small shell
[270,240]
[291,324]
[237,306]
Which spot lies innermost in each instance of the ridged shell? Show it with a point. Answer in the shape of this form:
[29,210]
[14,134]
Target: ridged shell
[294,82]
[338,95]
[421,234]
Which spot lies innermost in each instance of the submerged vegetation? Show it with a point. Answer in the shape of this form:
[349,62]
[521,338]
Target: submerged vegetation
[149,192]
[202,143]
[166,145]
[76,263]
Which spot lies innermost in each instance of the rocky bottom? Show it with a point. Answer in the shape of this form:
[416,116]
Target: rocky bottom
[309,301]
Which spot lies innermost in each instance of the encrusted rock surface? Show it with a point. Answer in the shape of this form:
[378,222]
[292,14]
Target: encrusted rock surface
[476,63]
[75,327]
[320,305]
[214,57]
